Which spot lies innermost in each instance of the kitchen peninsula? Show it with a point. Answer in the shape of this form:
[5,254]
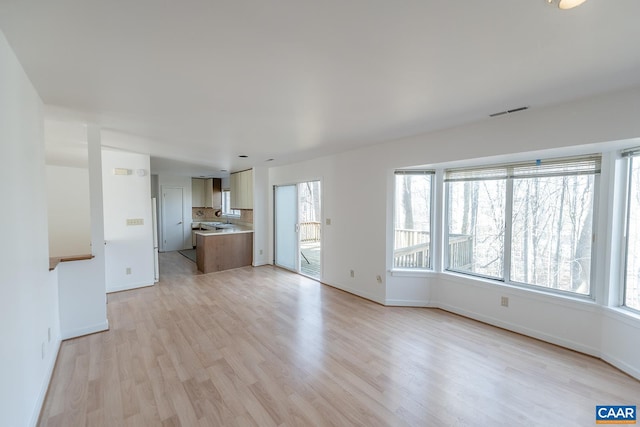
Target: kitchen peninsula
[224,248]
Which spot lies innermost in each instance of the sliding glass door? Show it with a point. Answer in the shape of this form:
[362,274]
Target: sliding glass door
[286,227]
[298,228]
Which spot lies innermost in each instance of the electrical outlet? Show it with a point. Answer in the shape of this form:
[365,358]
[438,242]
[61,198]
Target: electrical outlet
[504,301]
[128,270]
[260,251]
[379,278]
[352,273]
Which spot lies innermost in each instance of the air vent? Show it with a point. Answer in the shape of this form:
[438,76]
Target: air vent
[514,110]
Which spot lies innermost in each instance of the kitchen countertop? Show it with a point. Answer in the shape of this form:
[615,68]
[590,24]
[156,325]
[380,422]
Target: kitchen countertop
[234,229]
[54,261]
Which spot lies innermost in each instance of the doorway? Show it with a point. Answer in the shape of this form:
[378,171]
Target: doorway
[172,219]
[297,236]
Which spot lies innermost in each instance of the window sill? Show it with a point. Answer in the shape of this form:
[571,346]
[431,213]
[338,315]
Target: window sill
[630,317]
[528,291]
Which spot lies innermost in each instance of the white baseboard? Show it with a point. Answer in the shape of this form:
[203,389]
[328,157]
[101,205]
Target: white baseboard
[573,345]
[358,292]
[103,326]
[410,303]
[53,357]
[129,287]
[623,366]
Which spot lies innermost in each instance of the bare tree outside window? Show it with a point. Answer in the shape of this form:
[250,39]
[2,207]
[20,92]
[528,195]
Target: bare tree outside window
[632,271]
[539,212]
[476,227]
[412,228]
[551,232]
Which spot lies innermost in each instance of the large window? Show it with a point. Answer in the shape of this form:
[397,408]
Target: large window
[412,228]
[632,270]
[526,223]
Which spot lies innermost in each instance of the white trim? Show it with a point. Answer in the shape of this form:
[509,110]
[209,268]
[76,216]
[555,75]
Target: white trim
[357,292]
[129,287]
[623,315]
[410,303]
[623,366]
[513,327]
[37,409]
[103,326]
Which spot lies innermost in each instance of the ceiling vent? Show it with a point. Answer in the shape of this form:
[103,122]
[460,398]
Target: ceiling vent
[514,110]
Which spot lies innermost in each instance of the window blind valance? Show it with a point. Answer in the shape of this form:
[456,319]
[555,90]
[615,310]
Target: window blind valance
[415,172]
[583,165]
[631,152]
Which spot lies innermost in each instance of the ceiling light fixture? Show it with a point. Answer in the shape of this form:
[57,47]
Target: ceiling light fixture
[566,4]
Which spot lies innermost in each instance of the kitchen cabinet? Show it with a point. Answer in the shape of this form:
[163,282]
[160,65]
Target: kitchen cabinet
[217,252]
[242,190]
[206,193]
[197,193]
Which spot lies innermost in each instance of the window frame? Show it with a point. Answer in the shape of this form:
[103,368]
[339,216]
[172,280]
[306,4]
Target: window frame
[230,213]
[488,172]
[446,234]
[409,271]
[629,155]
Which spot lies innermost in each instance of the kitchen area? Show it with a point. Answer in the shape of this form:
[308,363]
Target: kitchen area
[222,222]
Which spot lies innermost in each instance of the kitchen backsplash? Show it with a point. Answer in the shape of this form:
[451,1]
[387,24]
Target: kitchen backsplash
[209,214]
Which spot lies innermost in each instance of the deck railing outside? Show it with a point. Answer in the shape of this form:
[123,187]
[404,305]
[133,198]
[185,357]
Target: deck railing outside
[309,231]
[413,250]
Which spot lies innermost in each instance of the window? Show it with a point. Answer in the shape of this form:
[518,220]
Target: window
[226,203]
[412,219]
[527,223]
[632,264]
[476,227]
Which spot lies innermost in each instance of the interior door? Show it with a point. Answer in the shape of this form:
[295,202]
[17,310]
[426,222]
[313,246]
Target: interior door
[172,219]
[286,226]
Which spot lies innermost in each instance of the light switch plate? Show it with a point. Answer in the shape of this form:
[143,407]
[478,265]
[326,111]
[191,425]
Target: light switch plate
[135,221]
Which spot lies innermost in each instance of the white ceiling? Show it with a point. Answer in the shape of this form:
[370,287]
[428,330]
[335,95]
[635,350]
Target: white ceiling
[203,81]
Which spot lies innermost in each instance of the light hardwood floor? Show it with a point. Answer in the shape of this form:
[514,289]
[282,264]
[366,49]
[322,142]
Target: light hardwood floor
[264,347]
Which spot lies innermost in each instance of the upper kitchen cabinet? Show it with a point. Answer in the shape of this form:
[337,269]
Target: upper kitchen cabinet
[206,193]
[242,190]
[197,192]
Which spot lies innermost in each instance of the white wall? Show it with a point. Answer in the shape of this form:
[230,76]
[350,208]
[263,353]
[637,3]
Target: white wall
[177,182]
[127,197]
[68,212]
[260,215]
[357,195]
[81,284]
[357,232]
[28,291]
